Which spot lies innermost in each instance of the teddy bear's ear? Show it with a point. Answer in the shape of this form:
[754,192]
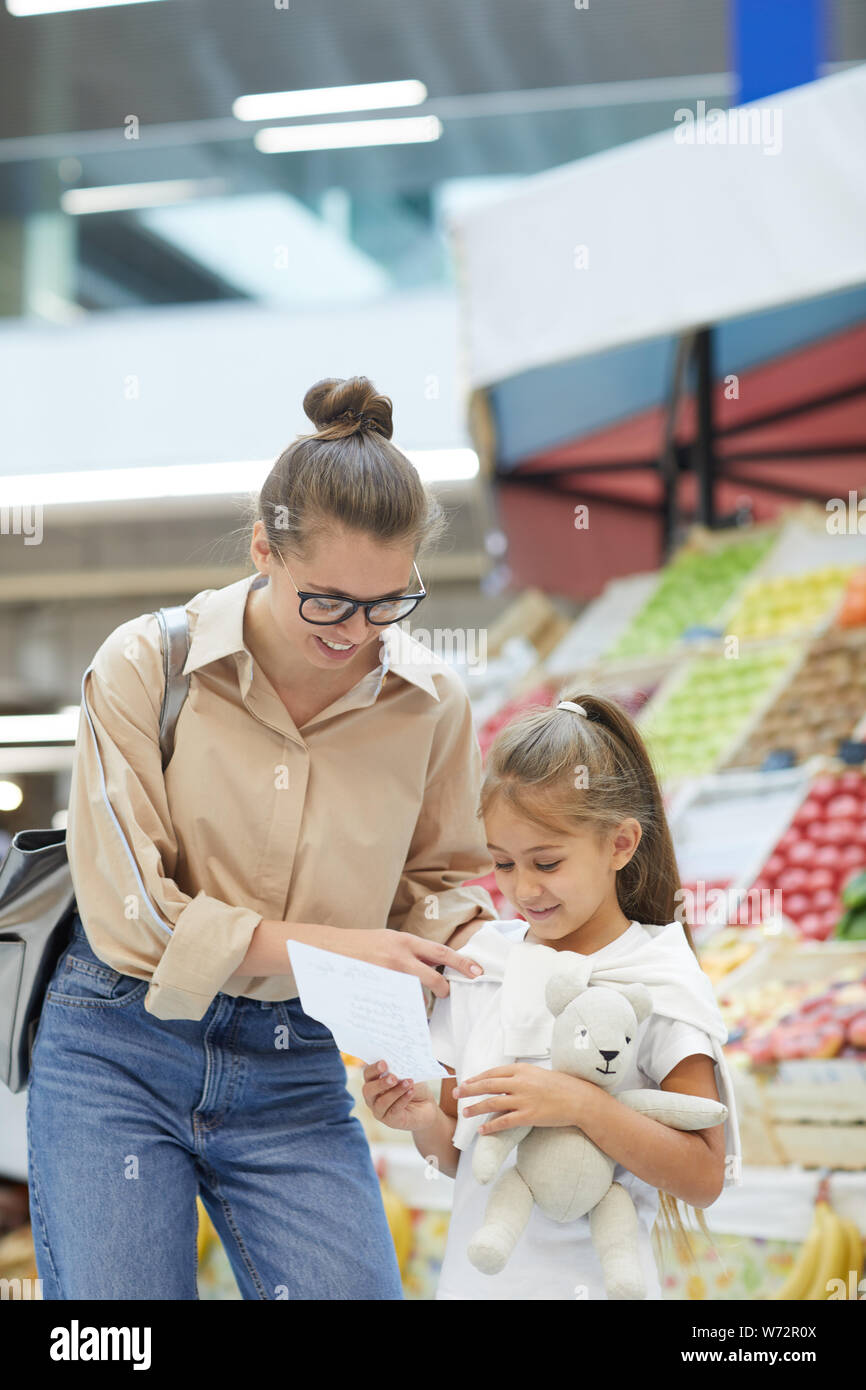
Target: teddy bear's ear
[640,999]
[565,984]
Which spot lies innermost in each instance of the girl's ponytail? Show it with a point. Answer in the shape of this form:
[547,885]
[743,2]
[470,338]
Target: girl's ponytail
[649,885]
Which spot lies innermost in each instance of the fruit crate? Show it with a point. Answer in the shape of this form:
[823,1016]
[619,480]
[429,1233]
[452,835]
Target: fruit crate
[809,1123]
[851,612]
[809,1111]
[800,604]
[600,624]
[805,543]
[809,862]
[694,588]
[803,551]
[822,703]
[708,702]
[531,616]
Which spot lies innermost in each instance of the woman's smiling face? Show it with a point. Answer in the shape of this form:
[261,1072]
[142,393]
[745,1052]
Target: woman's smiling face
[562,882]
[338,562]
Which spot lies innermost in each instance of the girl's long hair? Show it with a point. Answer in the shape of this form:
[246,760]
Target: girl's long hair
[562,770]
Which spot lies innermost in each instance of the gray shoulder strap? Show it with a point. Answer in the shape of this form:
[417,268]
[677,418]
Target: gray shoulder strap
[175,649]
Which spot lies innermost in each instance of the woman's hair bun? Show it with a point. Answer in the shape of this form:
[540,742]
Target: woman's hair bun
[341,406]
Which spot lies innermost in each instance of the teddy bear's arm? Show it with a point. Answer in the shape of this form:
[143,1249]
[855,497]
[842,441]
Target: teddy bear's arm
[676,1109]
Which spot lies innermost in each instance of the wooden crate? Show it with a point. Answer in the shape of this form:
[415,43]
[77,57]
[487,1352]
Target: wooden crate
[532,616]
[810,1111]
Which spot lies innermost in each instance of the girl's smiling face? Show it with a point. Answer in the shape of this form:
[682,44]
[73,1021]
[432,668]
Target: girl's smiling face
[563,883]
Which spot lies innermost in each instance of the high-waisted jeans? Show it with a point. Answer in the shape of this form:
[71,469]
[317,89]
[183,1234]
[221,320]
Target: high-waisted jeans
[130,1116]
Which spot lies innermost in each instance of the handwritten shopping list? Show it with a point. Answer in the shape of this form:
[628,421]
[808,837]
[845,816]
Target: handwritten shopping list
[374,1013]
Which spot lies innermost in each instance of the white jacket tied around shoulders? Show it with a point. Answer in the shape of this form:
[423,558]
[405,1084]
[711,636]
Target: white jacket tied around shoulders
[506,1017]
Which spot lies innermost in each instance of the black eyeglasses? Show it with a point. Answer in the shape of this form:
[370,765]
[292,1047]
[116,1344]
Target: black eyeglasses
[323,609]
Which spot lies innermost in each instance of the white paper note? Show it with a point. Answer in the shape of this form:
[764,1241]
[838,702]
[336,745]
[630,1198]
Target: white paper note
[374,1013]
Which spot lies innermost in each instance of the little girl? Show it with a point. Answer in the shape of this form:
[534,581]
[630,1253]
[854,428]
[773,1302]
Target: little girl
[576,826]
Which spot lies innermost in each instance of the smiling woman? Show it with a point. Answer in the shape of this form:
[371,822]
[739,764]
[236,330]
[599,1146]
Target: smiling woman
[313,795]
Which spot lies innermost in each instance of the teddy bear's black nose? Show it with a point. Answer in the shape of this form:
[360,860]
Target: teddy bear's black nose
[608,1056]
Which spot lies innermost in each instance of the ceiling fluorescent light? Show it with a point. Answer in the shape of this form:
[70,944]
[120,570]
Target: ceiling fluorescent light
[323,101]
[105,485]
[40,728]
[444,465]
[131,484]
[334,135]
[122,197]
[23,8]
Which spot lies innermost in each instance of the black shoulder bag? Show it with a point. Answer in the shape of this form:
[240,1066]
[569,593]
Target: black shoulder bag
[37,899]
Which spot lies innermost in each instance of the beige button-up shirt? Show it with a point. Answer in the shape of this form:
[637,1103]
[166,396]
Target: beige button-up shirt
[364,818]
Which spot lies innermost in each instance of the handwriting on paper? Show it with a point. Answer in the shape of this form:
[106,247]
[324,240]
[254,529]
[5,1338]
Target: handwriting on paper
[373,1013]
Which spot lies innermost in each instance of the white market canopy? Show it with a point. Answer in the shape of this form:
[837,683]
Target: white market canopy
[726,214]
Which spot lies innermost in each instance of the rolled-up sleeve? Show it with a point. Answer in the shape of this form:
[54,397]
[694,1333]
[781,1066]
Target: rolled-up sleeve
[121,847]
[448,845]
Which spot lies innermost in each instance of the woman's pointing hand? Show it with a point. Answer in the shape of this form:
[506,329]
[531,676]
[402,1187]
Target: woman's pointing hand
[397,950]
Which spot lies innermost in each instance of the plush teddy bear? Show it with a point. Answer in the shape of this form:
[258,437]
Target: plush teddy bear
[558,1168]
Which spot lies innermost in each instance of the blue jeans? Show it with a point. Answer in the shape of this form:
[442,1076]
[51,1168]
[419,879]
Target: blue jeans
[130,1116]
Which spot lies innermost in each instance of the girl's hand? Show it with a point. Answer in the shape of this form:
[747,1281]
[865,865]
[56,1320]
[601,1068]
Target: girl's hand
[398,950]
[398,1104]
[524,1094]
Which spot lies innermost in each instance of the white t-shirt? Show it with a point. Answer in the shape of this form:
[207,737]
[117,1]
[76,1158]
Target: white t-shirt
[555,1259]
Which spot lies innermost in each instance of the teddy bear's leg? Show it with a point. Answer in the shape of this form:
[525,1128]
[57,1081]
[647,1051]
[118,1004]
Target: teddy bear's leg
[491,1151]
[614,1228]
[508,1211]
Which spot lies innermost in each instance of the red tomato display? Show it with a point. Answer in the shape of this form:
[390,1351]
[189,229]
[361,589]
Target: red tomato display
[795,905]
[823,788]
[793,880]
[840,832]
[823,847]
[802,852]
[823,899]
[821,878]
[845,807]
[827,857]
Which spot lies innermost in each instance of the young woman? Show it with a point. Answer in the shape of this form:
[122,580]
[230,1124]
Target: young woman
[322,789]
[575,821]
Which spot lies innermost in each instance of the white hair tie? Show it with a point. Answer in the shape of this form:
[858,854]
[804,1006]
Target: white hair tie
[569,704]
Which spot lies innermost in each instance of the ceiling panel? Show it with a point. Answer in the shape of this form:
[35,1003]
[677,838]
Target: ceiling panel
[189,59]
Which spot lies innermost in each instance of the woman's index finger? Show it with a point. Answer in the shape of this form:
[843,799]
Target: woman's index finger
[465,964]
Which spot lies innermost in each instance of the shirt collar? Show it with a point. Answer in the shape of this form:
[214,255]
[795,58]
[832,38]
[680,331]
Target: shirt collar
[219,632]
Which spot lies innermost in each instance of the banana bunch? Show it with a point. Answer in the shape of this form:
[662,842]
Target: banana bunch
[831,1251]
